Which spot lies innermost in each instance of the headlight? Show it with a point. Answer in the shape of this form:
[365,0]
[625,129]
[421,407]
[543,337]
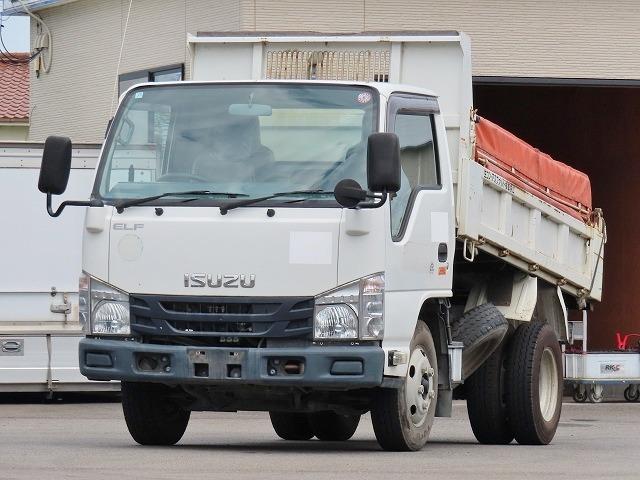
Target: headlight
[84,308]
[353,311]
[103,309]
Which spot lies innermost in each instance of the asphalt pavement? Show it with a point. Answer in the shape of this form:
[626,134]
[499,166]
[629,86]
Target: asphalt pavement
[90,441]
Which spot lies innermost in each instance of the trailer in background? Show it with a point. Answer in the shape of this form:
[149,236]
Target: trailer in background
[40,262]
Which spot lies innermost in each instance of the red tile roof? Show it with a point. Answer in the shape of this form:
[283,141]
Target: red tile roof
[14,90]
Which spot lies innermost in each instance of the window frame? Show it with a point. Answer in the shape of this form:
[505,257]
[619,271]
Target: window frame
[414,104]
[308,203]
[149,73]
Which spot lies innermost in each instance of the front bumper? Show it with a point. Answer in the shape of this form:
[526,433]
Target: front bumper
[339,367]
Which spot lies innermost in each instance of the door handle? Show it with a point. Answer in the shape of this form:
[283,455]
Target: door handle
[443,252]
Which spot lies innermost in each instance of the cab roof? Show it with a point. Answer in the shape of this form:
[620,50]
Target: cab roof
[384,88]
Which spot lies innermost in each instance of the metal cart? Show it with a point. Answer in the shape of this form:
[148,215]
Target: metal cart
[588,372]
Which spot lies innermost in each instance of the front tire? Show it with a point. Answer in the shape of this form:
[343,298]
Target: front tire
[333,427]
[291,425]
[486,401]
[534,384]
[402,418]
[152,415]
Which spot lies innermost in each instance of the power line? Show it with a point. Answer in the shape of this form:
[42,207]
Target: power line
[6,55]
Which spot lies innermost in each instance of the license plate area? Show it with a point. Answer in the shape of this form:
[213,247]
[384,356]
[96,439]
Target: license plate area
[217,364]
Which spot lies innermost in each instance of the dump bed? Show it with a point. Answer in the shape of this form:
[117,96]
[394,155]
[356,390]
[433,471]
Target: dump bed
[511,213]
[519,204]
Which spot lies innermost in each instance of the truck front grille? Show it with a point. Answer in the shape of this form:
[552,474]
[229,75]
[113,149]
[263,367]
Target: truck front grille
[223,308]
[214,319]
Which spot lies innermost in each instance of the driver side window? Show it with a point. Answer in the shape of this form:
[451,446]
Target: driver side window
[417,158]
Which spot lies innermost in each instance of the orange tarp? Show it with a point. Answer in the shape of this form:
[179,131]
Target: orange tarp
[527,167]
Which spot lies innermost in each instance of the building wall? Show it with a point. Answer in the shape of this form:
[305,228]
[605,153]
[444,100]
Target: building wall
[13,133]
[540,38]
[76,97]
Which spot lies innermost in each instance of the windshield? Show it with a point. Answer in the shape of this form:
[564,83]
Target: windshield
[249,139]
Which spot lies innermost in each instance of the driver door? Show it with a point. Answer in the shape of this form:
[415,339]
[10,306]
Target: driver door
[421,238]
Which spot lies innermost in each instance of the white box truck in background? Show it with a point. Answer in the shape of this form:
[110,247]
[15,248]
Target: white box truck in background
[39,328]
[233,261]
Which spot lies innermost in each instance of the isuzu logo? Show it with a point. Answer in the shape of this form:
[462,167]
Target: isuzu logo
[199,280]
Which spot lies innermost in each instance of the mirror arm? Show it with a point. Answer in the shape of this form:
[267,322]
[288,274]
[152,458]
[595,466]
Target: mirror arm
[70,203]
[384,197]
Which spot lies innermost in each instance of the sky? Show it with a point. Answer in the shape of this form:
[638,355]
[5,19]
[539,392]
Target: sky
[15,33]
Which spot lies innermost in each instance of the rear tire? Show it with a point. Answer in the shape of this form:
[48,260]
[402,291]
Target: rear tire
[402,418]
[152,416]
[291,425]
[333,427]
[487,403]
[534,384]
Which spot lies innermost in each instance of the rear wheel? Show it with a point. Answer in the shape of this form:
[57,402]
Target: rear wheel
[534,384]
[291,425]
[486,401]
[333,427]
[402,418]
[153,417]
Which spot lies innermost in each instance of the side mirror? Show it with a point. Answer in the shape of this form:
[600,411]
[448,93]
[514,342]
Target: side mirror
[56,165]
[383,162]
[54,174]
[349,193]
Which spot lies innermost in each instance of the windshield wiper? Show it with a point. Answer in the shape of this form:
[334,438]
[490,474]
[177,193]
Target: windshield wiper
[138,201]
[250,201]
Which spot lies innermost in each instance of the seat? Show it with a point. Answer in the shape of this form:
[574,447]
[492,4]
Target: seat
[233,151]
[418,162]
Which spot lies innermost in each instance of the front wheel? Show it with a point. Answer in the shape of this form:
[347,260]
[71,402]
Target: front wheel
[153,417]
[291,425]
[534,384]
[402,418]
[333,427]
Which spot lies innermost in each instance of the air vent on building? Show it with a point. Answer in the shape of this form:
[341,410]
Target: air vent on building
[349,65]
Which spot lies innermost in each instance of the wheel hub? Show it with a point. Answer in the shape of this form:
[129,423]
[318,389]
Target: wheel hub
[419,387]
[548,384]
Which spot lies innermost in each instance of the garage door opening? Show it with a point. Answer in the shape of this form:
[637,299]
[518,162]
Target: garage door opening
[596,129]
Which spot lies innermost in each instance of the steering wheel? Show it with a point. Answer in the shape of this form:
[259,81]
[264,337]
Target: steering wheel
[177,177]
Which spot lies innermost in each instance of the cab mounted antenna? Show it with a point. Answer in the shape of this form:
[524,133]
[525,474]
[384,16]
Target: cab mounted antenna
[116,81]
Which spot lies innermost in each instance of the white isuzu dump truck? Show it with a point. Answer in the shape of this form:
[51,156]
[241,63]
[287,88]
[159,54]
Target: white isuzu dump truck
[320,226]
